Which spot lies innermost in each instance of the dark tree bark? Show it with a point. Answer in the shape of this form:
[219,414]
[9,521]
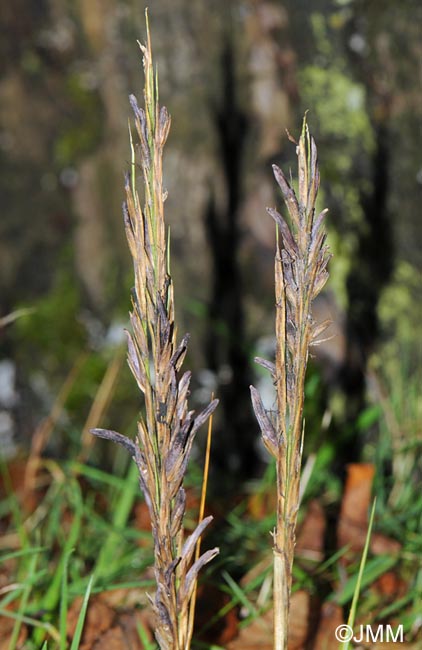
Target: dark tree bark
[227,347]
[369,273]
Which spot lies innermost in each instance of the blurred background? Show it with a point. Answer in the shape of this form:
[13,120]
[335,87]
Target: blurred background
[234,76]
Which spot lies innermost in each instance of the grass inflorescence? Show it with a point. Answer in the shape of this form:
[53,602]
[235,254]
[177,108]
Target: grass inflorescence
[167,430]
[300,274]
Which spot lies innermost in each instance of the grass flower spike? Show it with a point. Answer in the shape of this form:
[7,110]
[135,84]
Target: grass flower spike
[300,274]
[167,430]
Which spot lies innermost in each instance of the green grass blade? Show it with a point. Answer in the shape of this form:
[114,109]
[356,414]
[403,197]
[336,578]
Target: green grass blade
[395,607]
[21,553]
[24,602]
[122,508]
[135,584]
[17,588]
[147,644]
[64,599]
[81,618]
[95,474]
[373,569]
[33,622]
[240,594]
[353,608]
[253,584]
[322,568]
[52,596]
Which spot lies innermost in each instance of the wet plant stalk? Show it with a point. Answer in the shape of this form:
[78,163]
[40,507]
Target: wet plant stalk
[167,429]
[300,274]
